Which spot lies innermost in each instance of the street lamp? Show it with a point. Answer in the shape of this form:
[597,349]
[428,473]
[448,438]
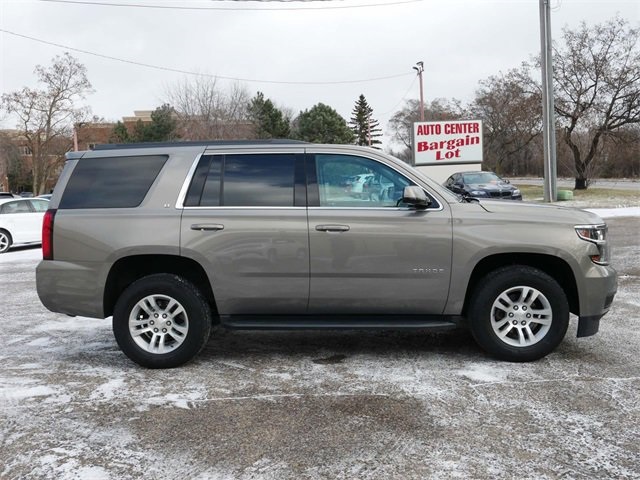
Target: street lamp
[420,68]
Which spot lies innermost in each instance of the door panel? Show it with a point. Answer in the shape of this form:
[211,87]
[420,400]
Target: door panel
[387,262]
[258,261]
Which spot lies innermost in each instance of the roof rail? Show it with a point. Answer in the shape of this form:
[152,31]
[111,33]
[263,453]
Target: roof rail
[197,143]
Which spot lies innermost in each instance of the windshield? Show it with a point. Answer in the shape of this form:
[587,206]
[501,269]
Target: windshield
[481,177]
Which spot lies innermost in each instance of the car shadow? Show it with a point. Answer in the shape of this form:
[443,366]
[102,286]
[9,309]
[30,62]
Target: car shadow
[332,346]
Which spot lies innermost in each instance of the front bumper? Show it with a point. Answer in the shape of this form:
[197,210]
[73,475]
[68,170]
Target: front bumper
[596,299]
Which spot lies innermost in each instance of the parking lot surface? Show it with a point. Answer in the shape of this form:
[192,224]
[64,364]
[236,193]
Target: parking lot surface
[296,405]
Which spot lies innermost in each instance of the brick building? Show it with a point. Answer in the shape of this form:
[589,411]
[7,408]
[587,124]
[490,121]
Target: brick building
[89,134]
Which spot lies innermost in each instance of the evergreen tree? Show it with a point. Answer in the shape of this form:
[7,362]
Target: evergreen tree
[322,124]
[268,120]
[163,125]
[161,128]
[366,129]
[120,134]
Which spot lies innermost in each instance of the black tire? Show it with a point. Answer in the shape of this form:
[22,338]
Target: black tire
[5,241]
[171,319]
[518,313]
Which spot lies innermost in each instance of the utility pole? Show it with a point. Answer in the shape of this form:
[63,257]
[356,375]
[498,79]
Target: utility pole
[548,117]
[75,137]
[420,69]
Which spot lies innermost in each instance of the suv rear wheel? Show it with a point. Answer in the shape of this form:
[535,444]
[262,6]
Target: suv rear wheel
[518,313]
[161,321]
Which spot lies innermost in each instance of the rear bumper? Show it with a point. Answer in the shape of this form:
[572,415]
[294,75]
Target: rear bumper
[71,288]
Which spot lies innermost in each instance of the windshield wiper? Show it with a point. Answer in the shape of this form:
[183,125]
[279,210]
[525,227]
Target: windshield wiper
[468,198]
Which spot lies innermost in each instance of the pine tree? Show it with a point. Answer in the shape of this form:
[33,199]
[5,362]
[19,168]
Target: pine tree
[120,134]
[322,124]
[268,120]
[366,129]
[161,128]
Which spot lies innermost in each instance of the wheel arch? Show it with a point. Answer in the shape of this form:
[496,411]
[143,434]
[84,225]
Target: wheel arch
[127,270]
[555,267]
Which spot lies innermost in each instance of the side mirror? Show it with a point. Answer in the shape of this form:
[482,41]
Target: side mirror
[415,196]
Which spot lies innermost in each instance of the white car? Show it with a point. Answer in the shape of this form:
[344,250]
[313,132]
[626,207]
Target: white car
[21,221]
[357,184]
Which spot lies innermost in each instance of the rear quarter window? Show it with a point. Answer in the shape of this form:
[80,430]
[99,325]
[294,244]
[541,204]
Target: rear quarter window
[111,182]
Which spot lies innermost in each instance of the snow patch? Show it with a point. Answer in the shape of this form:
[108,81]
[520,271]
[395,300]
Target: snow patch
[615,212]
[14,392]
[483,373]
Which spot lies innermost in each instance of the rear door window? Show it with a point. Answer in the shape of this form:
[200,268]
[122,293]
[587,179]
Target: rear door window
[246,180]
[19,206]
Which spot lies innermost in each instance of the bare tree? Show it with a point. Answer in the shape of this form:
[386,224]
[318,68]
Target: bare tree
[597,88]
[511,115]
[401,124]
[13,176]
[207,112]
[46,116]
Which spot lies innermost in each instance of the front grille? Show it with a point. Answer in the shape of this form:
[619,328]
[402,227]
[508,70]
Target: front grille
[503,194]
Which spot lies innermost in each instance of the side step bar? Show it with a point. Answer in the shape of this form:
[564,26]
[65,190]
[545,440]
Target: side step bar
[339,322]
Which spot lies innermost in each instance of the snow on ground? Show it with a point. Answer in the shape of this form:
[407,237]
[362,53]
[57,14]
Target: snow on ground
[616,212]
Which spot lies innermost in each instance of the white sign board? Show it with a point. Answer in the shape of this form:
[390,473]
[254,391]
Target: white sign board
[455,141]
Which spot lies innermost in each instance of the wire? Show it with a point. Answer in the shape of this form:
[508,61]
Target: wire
[223,77]
[401,100]
[168,7]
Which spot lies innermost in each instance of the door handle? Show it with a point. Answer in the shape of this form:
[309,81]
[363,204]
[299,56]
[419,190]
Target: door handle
[332,228]
[209,227]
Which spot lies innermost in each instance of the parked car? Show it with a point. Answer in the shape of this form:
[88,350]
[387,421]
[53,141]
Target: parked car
[170,238]
[7,195]
[21,221]
[486,185]
[377,188]
[357,184]
[26,194]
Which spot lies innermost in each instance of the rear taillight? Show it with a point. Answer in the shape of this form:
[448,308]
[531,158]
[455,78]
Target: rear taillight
[47,234]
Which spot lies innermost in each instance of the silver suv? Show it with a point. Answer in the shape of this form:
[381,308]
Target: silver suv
[170,238]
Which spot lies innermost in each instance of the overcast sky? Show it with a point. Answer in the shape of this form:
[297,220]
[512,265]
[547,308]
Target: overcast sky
[460,42]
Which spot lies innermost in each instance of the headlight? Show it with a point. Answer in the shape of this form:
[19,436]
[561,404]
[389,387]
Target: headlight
[515,193]
[478,193]
[596,234]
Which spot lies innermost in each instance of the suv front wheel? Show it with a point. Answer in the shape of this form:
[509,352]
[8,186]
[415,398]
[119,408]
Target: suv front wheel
[161,321]
[518,313]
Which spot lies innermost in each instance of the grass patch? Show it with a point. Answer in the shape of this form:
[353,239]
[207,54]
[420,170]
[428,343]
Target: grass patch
[529,192]
[532,192]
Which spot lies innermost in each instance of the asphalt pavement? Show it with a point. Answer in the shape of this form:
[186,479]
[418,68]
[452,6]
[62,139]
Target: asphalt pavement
[317,405]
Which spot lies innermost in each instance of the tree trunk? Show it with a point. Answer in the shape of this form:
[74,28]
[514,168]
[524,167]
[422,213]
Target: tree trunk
[581,183]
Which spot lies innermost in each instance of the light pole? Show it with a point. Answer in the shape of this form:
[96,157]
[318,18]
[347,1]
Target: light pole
[420,69]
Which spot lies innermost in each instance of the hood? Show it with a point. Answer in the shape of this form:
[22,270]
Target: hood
[541,213]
